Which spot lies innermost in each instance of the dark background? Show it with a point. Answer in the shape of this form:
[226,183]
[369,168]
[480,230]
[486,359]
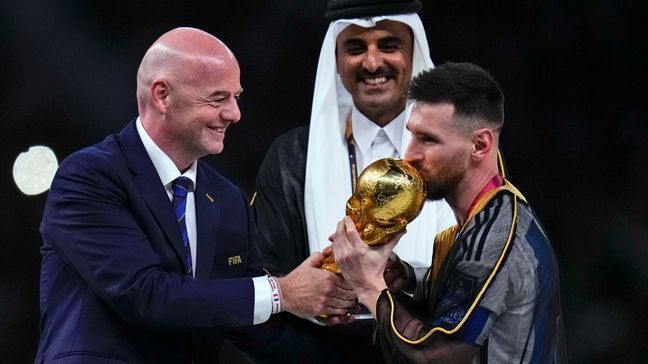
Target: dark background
[574,140]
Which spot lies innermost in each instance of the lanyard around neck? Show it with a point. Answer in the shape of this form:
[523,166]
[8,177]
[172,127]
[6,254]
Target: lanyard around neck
[351,148]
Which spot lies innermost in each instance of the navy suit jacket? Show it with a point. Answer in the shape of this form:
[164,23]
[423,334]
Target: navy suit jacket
[113,282]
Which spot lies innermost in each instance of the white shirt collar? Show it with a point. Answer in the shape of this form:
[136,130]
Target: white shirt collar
[365,130]
[164,166]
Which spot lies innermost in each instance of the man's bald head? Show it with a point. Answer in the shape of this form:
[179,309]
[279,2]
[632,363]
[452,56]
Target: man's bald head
[188,86]
[181,55]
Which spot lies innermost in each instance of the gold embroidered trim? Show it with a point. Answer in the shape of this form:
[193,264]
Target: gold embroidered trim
[500,164]
[442,244]
[478,207]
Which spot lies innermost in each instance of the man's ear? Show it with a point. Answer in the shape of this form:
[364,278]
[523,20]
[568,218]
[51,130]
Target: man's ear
[482,143]
[160,95]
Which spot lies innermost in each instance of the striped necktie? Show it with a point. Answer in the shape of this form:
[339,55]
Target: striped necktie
[181,187]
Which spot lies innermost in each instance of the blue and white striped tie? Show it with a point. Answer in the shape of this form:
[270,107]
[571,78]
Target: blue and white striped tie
[181,187]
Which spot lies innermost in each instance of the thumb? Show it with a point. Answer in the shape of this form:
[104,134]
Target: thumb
[394,239]
[314,260]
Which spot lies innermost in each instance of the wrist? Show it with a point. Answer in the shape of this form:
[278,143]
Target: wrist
[369,296]
[284,284]
[276,295]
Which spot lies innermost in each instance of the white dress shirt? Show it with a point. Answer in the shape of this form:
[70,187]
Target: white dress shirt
[168,172]
[374,142]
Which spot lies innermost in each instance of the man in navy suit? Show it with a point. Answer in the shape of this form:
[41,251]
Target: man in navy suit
[129,276]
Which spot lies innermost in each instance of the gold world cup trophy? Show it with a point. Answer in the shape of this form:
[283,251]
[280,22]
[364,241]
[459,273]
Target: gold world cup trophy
[389,194]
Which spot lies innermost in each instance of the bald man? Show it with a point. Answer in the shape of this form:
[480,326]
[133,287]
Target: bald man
[149,255]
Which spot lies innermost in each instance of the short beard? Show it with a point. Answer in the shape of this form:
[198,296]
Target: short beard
[445,181]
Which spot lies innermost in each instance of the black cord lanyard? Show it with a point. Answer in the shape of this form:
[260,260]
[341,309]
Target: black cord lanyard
[351,148]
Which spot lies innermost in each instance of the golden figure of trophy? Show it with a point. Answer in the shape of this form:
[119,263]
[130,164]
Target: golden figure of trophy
[389,194]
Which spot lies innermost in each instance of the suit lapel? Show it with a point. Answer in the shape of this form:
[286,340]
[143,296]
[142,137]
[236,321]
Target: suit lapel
[150,187]
[208,212]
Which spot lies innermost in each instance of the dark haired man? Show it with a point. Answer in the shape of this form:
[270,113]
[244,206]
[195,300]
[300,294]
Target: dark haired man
[369,54]
[492,292]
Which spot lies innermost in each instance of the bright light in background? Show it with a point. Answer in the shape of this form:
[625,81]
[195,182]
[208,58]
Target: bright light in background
[33,170]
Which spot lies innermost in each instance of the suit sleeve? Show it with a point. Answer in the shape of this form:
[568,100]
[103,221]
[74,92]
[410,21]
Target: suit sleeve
[89,222]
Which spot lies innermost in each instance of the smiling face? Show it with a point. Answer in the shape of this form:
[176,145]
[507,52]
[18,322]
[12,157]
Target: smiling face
[375,66]
[202,105]
[188,86]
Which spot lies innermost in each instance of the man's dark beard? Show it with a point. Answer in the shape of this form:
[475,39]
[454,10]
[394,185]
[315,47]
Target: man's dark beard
[445,181]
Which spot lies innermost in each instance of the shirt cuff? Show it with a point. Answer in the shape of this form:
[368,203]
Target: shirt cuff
[262,299]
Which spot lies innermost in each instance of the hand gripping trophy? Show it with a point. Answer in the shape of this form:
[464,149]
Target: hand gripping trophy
[389,194]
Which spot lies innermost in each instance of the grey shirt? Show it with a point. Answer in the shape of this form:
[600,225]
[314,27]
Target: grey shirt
[513,285]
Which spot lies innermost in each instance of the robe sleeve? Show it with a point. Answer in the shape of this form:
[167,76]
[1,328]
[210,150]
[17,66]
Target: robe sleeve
[279,203]
[469,296]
